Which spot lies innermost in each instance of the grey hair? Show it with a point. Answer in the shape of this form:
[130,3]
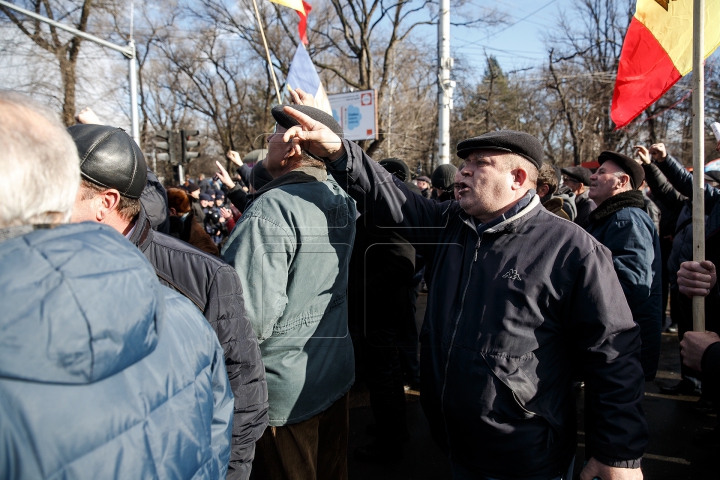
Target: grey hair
[40,164]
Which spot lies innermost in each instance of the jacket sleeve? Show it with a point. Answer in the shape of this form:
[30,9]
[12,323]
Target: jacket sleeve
[238,197]
[221,428]
[608,343]
[387,200]
[662,189]
[682,180]
[261,253]
[225,312]
[632,246]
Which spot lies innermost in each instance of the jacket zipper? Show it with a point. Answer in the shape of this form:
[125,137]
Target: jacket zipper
[452,341]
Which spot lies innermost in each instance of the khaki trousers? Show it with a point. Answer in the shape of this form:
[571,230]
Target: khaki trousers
[315,449]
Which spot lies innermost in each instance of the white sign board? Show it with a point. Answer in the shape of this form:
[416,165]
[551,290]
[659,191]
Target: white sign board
[356,113]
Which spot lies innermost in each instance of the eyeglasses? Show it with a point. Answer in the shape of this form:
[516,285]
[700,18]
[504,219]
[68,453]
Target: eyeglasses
[568,179]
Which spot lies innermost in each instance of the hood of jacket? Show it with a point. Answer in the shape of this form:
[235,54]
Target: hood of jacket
[80,303]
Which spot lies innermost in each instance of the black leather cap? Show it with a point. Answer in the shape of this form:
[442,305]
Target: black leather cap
[627,164]
[579,174]
[110,158]
[519,143]
[286,121]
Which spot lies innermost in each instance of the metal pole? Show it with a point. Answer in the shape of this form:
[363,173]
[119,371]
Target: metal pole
[445,85]
[124,50]
[181,174]
[134,114]
[128,51]
[267,52]
[698,152]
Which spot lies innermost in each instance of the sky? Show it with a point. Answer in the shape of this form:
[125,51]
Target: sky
[516,44]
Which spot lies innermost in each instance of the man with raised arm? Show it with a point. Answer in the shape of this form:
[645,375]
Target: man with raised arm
[519,299]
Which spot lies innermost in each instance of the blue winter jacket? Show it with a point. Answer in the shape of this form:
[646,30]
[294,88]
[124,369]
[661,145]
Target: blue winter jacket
[104,373]
[627,231]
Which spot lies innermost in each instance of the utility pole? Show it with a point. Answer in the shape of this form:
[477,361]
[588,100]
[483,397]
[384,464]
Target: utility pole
[128,51]
[445,85]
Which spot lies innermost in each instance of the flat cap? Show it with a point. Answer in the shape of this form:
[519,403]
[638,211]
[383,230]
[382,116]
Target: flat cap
[286,121]
[423,178]
[110,158]
[444,177]
[627,164]
[519,143]
[579,174]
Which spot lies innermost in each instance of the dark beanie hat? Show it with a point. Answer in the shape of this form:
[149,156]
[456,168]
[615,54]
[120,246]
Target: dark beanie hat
[627,164]
[206,197]
[444,177]
[579,174]
[219,194]
[519,143]
[396,167]
[259,176]
[192,187]
[286,121]
[110,158]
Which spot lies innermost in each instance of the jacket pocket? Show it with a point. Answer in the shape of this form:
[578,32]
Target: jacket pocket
[514,373]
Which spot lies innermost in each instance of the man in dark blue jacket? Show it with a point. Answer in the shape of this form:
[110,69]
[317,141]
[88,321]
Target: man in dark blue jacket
[620,223]
[518,299]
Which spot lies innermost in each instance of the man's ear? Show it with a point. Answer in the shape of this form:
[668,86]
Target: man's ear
[520,176]
[109,201]
[624,181]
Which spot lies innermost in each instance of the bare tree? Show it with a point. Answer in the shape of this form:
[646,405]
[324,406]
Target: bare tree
[64,47]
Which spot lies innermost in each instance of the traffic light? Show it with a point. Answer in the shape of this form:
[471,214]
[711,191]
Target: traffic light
[187,144]
[167,146]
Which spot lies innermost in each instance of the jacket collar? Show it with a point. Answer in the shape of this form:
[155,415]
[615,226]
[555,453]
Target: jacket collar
[510,223]
[299,175]
[143,233]
[632,198]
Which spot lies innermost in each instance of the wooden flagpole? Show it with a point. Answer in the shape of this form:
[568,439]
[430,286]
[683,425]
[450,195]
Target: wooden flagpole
[698,152]
[267,52]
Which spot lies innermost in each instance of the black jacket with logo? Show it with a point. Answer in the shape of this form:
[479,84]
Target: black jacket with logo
[214,287]
[510,317]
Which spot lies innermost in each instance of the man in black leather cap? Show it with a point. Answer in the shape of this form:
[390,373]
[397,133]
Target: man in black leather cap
[113,178]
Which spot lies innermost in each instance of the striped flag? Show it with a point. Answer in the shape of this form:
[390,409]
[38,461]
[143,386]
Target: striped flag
[657,52]
[303,75]
[303,10]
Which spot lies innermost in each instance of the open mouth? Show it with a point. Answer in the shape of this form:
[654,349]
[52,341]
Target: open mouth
[462,187]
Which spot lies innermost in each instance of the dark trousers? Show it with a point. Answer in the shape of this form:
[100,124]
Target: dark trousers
[313,449]
[383,373]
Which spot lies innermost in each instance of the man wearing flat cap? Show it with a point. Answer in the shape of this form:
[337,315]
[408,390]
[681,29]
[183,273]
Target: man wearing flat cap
[292,249]
[577,179]
[113,177]
[518,299]
[621,224]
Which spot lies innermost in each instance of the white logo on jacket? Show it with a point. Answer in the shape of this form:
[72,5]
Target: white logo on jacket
[512,274]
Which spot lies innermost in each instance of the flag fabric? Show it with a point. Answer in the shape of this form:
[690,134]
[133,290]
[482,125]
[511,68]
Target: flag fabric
[303,75]
[303,10]
[657,52]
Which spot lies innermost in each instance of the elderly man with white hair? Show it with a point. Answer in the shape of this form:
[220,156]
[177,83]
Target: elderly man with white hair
[104,373]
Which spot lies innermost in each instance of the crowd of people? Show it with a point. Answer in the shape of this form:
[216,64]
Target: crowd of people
[215,328]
